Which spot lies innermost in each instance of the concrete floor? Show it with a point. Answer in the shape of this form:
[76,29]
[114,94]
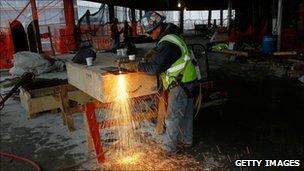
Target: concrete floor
[43,139]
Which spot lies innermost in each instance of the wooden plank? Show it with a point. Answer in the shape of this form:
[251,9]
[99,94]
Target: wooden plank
[38,104]
[285,53]
[49,91]
[235,52]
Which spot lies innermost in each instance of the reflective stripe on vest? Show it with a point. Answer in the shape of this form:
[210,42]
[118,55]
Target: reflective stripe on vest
[179,65]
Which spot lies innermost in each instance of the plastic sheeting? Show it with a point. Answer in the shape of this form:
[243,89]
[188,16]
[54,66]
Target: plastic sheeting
[33,62]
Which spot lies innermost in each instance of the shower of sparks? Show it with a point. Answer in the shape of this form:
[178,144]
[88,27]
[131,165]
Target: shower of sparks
[131,150]
[133,159]
[123,111]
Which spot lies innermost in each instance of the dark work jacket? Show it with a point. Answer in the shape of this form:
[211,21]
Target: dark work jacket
[166,53]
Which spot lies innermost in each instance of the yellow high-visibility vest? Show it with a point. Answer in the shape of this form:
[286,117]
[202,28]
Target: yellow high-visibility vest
[182,66]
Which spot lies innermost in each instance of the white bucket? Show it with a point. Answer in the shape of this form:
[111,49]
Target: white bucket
[131,57]
[89,61]
[124,51]
[119,52]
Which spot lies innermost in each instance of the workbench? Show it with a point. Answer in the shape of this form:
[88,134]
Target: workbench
[100,82]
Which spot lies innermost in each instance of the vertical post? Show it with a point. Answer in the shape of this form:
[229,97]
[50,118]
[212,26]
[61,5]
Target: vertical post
[214,23]
[65,107]
[133,19]
[69,14]
[181,20]
[280,10]
[229,12]
[140,14]
[221,18]
[209,18]
[111,12]
[133,22]
[70,22]
[36,25]
[94,131]
[51,41]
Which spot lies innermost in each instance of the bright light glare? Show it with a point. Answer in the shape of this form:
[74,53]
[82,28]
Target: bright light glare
[122,94]
[133,159]
[179,5]
[122,111]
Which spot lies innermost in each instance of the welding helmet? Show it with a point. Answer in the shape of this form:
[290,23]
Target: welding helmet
[151,20]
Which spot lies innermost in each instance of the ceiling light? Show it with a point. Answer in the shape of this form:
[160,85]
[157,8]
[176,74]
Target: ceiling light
[179,4]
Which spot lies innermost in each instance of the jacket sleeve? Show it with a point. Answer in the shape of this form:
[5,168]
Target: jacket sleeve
[166,54]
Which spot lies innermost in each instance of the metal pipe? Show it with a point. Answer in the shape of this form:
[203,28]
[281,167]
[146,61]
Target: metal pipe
[280,11]
[229,12]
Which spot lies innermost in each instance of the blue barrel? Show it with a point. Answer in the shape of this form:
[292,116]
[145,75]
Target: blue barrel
[269,44]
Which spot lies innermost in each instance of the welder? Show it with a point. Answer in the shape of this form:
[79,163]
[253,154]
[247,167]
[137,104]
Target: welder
[172,64]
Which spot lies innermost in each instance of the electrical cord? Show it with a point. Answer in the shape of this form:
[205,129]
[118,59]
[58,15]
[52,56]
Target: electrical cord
[28,161]
[198,102]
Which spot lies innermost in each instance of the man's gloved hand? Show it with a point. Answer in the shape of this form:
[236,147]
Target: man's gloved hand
[130,66]
[148,56]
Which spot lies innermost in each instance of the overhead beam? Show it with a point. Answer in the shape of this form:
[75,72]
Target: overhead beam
[162,5]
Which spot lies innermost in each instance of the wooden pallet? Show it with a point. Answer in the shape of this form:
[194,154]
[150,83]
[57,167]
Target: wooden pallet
[53,98]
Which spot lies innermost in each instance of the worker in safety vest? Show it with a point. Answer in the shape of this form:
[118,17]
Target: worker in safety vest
[171,62]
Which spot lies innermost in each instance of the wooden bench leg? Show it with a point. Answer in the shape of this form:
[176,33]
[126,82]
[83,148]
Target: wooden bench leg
[162,112]
[70,122]
[66,114]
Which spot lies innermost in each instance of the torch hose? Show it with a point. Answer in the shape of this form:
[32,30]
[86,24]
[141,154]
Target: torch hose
[28,161]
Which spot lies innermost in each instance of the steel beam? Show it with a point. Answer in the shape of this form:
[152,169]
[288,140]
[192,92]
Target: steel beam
[36,25]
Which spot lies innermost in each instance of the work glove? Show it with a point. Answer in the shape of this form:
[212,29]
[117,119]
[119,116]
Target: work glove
[130,66]
[148,56]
